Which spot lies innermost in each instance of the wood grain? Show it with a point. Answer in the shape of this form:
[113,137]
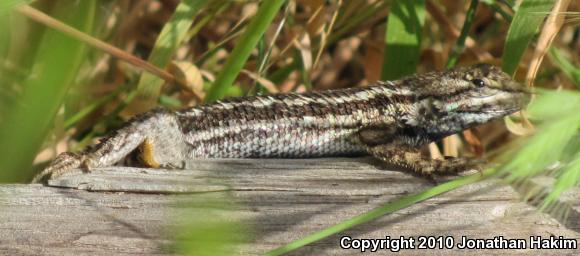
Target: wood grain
[124,211]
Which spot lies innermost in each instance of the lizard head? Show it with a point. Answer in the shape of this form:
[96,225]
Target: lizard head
[451,101]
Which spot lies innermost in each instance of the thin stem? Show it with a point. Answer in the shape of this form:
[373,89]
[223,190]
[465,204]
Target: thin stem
[460,44]
[383,210]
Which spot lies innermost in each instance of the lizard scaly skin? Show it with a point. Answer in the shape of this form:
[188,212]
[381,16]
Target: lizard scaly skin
[389,120]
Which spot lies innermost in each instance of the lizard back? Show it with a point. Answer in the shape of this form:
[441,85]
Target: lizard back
[289,125]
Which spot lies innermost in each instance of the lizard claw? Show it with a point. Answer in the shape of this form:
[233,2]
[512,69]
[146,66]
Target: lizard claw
[63,163]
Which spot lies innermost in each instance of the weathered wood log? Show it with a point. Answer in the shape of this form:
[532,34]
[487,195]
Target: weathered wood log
[121,210]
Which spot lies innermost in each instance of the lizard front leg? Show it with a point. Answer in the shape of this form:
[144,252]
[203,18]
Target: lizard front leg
[156,133]
[408,157]
[389,145]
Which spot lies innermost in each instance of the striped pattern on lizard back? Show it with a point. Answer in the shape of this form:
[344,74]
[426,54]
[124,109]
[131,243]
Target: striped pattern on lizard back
[291,125]
[390,121]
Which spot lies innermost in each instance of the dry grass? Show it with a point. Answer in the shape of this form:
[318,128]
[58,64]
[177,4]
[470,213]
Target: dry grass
[310,45]
[144,53]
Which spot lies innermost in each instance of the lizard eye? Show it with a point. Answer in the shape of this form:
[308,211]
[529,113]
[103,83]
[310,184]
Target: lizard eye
[478,82]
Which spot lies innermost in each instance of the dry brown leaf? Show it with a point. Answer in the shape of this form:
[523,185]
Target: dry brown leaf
[520,129]
[189,73]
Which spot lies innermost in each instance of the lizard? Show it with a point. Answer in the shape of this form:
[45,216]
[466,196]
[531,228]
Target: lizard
[389,120]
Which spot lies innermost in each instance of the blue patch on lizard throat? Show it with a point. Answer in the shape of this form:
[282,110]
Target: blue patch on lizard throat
[452,106]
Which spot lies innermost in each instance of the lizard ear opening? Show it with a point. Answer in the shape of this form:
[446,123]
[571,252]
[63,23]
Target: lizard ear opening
[478,82]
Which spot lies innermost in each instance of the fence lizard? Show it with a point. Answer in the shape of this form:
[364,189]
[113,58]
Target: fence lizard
[389,120]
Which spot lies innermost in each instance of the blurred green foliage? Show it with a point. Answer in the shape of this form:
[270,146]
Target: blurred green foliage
[40,66]
[403,39]
[51,72]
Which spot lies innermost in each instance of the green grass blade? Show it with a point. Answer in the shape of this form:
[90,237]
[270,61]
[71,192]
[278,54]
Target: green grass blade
[569,178]
[403,39]
[566,66]
[208,227]
[357,19]
[170,38]
[553,104]
[244,47]
[460,44]
[84,112]
[8,5]
[560,124]
[56,65]
[535,156]
[525,23]
[386,209]
[494,5]
[556,141]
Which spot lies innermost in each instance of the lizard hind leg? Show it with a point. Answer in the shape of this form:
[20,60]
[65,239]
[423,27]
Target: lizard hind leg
[147,154]
[106,153]
[157,131]
[152,155]
[164,144]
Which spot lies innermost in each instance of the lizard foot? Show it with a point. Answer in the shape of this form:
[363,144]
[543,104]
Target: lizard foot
[451,165]
[410,158]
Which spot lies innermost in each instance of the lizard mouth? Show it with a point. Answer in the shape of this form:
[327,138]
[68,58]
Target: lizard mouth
[504,111]
[500,103]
